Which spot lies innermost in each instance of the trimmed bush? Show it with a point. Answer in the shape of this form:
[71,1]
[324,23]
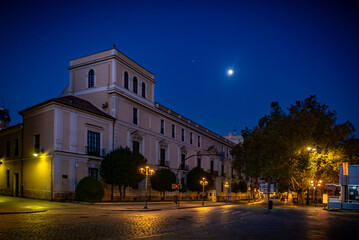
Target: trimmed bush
[89,189]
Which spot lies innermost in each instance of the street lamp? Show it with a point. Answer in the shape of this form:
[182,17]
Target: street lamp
[226,186]
[203,182]
[147,172]
[315,184]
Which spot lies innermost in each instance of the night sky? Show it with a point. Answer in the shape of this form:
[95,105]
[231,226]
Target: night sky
[280,51]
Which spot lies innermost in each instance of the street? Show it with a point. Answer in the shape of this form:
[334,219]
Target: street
[53,220]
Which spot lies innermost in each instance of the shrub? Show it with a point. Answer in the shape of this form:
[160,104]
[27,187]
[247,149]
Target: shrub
[89,189]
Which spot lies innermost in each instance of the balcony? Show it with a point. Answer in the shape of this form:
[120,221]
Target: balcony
[94,151]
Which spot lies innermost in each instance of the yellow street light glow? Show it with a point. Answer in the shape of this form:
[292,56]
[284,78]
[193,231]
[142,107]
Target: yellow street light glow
[35,154]
[309,148]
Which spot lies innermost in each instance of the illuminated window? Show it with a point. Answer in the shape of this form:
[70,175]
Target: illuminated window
[126,80]
[143,90]
[91,78]
[135,85]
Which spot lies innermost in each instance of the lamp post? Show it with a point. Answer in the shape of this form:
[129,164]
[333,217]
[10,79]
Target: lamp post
[226,186]
[315,184]
[147,172]
[203,182]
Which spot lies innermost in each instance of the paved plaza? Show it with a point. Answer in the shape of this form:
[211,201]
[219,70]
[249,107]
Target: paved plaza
[36,219]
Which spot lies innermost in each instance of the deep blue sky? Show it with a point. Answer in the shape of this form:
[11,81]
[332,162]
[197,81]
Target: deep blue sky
[280,51]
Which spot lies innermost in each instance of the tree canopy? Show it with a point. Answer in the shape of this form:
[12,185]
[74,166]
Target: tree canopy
[295,147]
[121,168]
[162,180]
[194,178]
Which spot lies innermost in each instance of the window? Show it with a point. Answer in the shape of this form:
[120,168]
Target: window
[190,138]
[93,172]
[222,170]
[135,85]
[135,146]
[182,136]
[16,151]
[199,141]
[198,162]
[8,178]
[183,162]
[211,166]
[143,90]
[126,80]
[37,143]
[163,157]
[91,78]
[8,149]
[93,143]
[173,131]
[222,187]
[227,152]
[135,119]
[162,126]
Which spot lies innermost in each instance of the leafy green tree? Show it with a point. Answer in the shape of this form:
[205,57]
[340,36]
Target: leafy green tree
[121,168]
[278,148]
[162,181]
[195,176]
[89,189]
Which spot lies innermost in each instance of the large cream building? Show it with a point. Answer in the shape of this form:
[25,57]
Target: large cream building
[108,103]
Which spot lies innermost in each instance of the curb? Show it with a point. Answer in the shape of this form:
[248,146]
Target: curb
[24,212]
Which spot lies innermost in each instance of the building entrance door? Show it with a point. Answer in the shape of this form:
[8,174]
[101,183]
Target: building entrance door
[16,185]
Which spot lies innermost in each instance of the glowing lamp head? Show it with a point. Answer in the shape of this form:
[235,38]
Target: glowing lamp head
[36,154]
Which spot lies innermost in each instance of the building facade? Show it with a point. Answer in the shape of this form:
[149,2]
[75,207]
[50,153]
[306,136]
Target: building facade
[108,103]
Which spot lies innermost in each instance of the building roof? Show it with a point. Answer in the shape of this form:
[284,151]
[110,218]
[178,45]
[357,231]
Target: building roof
[190,122]
[72,101]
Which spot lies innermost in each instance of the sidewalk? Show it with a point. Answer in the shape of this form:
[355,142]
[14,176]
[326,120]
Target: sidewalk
[15,205]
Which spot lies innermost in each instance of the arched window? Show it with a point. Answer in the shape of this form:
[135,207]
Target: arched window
[143,90]
[91,78]
[126,80]
[135,85]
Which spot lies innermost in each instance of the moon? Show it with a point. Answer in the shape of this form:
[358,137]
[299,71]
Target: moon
[230,72]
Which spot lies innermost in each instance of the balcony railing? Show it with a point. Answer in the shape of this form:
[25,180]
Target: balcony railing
[95,151]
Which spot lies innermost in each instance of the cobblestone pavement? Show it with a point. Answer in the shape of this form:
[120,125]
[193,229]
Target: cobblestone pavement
[111,221]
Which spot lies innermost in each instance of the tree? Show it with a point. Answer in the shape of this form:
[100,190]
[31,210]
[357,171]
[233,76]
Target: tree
[121,168]
[278,148]
[194,178]
[162,181]
[89,189]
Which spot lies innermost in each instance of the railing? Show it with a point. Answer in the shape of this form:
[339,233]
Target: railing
[95,151]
